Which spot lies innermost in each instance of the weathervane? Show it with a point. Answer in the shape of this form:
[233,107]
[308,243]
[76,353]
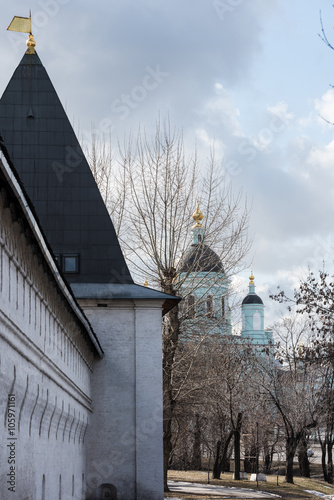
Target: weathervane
[23,25]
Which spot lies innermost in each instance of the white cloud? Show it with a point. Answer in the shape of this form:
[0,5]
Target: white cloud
[322,157]
[280,110]
[325,108]
[277,120]
[221,110]
[209,142]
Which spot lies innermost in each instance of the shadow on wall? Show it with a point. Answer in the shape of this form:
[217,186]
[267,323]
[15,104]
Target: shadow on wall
[104,491]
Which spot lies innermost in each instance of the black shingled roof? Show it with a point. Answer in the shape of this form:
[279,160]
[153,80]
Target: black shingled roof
[252,298]
[46,153]
[200,258]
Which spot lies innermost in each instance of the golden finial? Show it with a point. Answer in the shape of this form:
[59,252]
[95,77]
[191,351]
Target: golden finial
[197,215]
[31,44]
[145,282]
[251,278]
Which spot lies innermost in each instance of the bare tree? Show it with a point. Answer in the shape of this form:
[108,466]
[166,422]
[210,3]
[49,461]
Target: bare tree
[315,299]
[220,393]
[154,190]
[326,419]
[323,35]
[290,386]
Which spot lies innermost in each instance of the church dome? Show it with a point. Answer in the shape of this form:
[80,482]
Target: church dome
[200,258]
[252,298]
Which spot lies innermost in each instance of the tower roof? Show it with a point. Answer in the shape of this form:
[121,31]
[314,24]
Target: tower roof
[200,258]
[252,297]
[46,153]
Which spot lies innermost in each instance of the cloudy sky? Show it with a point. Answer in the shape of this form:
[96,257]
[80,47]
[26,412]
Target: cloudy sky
[251,76]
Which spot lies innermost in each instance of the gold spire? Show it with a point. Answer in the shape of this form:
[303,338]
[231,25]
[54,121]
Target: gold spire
[197,215]
[251,278]
[145,282]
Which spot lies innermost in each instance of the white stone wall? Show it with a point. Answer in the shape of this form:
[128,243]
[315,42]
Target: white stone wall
[125,436]
[45,367]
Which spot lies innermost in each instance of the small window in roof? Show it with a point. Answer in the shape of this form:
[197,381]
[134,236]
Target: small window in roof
[71,263]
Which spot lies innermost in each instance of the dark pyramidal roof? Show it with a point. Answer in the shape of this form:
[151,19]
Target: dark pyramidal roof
[200,258]
[252,298]
[45,151]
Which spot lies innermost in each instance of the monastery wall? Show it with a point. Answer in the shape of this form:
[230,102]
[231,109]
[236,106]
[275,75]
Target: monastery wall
[46,363]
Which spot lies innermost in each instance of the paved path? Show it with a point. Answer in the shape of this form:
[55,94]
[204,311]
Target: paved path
[224,491]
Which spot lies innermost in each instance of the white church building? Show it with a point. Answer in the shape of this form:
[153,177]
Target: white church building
[80,343]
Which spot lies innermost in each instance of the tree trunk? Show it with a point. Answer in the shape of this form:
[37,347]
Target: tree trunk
[291,446]
[236,455]
[170,342]
[196,461]
[226,463]
[268,458]
[323,459]
[267,462]
[237,448]
[304,464]
[221,461]
[216,468]
[269,451]
[167,433]
[330,461]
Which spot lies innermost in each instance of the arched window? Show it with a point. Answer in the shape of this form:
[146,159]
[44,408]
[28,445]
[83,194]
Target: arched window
[257,321]
[209,305]
[191,306]
[199,238]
